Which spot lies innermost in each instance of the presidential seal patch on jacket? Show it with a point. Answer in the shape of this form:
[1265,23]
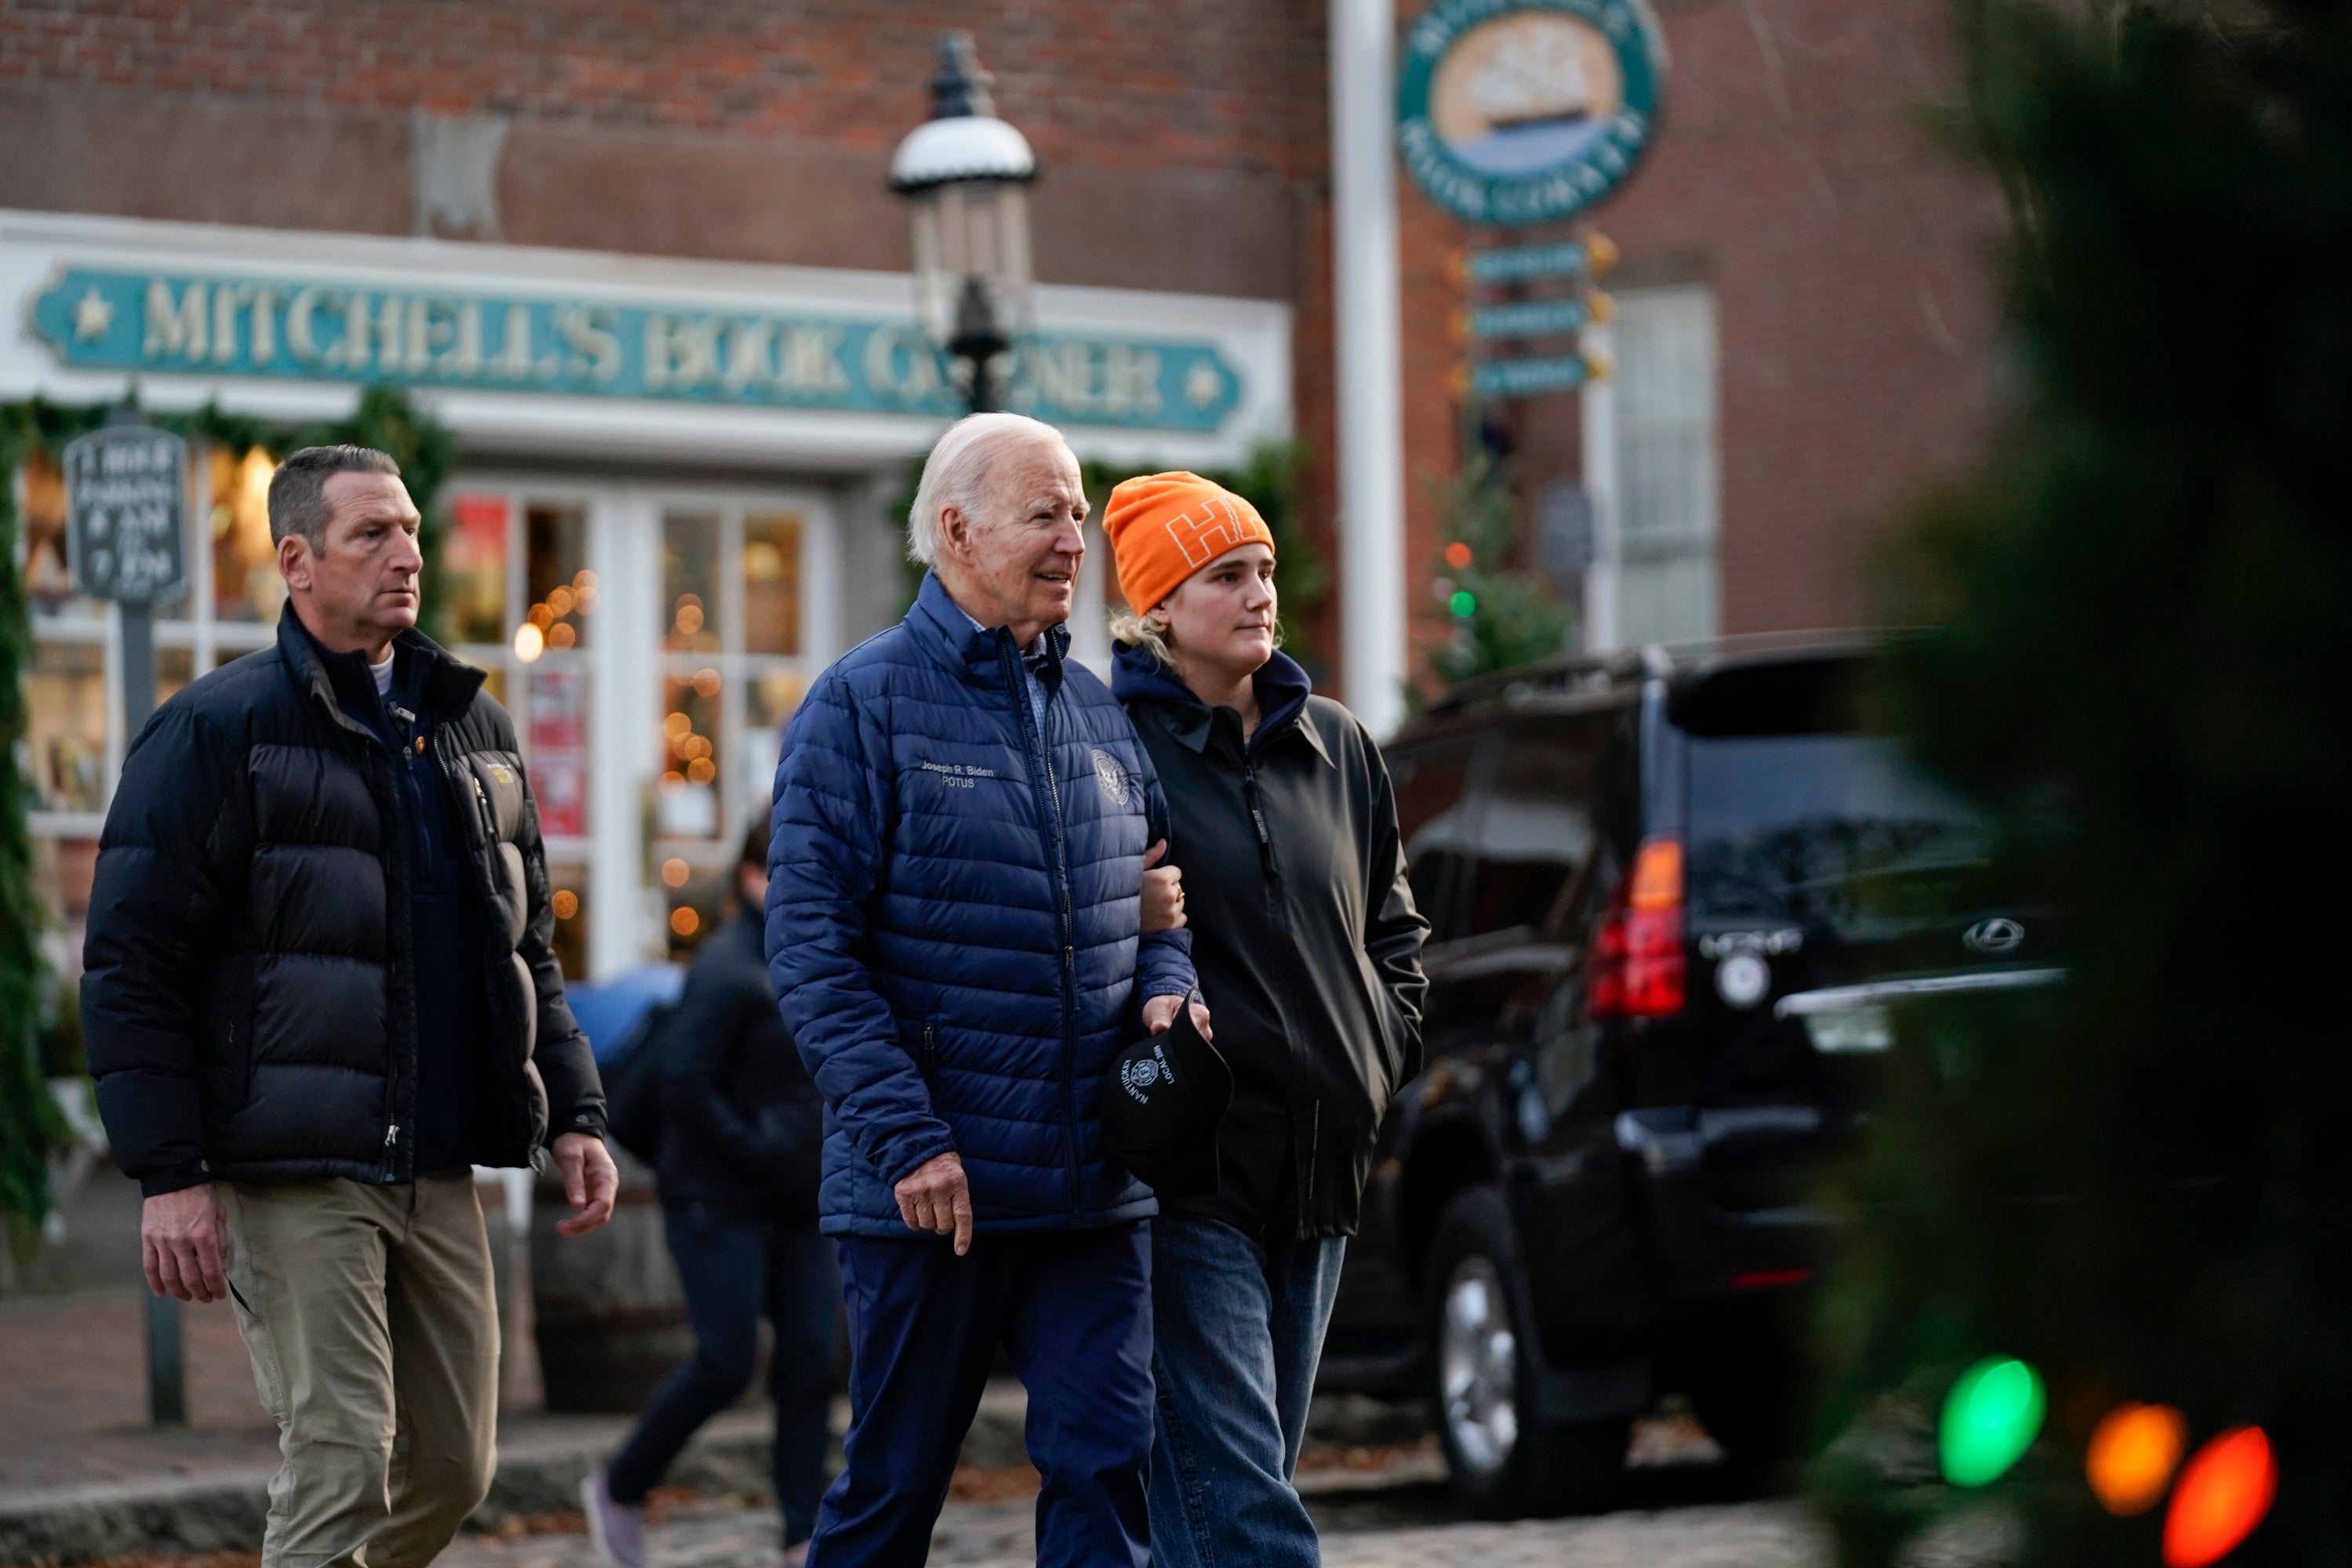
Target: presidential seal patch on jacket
[1111,776]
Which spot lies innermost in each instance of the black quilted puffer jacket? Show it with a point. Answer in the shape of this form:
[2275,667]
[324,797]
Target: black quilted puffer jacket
[250,995]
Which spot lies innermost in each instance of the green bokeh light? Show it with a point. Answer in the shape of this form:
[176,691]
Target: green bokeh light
[1992,1416]
[1465,602]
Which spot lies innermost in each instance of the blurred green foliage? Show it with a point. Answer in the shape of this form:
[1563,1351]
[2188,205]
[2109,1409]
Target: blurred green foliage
[2138,1182]
[1502,617]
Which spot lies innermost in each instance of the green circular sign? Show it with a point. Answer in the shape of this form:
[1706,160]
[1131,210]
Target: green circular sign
[1514,112]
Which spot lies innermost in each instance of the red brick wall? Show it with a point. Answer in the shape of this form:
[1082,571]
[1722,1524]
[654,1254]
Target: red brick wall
[1184,148]
[1132,83]
[750,130]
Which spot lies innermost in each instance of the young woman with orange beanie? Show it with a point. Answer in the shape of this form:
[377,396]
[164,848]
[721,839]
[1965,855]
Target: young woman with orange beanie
[1308,950]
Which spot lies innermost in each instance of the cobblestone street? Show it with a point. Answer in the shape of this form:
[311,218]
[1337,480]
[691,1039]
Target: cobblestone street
[1361,1531]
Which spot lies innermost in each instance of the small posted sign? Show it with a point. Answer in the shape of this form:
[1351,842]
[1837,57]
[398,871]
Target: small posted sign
[127,505]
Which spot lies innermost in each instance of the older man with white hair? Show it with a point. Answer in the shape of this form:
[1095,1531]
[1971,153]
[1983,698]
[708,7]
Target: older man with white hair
[961,824]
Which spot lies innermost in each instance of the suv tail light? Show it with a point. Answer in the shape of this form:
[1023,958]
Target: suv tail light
[1637,958]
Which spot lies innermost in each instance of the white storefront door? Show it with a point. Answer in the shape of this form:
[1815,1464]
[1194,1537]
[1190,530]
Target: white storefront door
[650,643]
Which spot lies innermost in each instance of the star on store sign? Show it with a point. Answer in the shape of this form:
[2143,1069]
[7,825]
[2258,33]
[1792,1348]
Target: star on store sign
[94,315]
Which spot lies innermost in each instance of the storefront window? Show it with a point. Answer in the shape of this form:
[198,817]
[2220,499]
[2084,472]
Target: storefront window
[732,638]
[687,792]
[772,584]
[66,693]
[690,585]
[769,699]
[568,899]
[561,586]
[559,748]
[697,901]
[48,574]
[474,574]
[245,583]
[540,671]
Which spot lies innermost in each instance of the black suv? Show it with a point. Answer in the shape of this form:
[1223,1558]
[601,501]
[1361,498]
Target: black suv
[1671,894]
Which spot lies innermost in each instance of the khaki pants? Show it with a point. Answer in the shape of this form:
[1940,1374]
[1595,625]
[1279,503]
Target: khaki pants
[369,1313]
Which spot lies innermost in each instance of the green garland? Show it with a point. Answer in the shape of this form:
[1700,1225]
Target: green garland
[38,1031]
[29,1123]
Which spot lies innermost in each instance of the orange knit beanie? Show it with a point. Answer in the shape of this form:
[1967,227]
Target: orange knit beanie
[1165,527]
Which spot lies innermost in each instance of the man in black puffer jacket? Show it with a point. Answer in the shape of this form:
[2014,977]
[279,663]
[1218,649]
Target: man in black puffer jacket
[317,987]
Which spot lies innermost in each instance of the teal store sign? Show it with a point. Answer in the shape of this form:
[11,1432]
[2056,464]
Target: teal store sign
[1519,111]
[295,329]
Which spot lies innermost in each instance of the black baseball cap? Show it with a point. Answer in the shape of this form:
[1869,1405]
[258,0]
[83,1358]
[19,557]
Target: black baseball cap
[1162,1101]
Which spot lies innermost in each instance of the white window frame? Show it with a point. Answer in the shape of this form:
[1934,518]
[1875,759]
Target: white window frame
[1615,426]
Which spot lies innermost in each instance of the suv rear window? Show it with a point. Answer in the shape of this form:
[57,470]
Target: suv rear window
[1795,818]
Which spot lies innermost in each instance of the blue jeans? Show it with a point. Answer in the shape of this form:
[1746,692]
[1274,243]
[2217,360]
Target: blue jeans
[734,1267]
[1239,1329]
[1073,1310]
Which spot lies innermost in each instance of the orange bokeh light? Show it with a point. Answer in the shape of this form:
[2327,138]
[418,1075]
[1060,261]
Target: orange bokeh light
[2224,1492]
[2133,1455]
[1457,556]
[684,920]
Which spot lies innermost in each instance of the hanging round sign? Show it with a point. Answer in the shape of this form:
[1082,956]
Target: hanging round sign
[1515,112]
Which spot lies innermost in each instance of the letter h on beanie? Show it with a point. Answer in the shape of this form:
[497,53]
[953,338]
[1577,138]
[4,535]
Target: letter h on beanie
[1165,527]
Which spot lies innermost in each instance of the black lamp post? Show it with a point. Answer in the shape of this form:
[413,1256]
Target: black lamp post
[962,171]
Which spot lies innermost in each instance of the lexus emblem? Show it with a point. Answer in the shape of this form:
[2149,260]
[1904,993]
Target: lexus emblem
[1996,936]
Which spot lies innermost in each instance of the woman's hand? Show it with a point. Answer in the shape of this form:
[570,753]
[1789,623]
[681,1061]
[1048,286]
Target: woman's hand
[1160,1017]
[1163,892]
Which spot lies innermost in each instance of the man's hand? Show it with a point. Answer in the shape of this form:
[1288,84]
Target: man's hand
[591,1181]
[183,1244]
[936,1196]
[1159,1016]
[1163,892]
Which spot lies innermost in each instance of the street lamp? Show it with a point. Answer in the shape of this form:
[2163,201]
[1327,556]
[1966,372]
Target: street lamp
[962,171]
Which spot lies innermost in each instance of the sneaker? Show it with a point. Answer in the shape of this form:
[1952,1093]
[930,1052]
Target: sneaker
[618,1530]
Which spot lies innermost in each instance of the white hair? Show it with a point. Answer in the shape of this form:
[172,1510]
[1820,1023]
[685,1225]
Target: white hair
[957,472]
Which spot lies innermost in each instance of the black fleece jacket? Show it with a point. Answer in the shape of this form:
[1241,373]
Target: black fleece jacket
[1304,933]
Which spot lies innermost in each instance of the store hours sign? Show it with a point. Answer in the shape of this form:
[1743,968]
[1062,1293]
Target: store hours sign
[293,328]
[126,502]
[1523,111]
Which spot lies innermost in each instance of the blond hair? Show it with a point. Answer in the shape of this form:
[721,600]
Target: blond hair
[1156,638]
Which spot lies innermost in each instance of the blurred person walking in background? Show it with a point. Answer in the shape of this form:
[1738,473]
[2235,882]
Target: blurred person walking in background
[318,988]
[1308,948]
[954,925]
[742,1130]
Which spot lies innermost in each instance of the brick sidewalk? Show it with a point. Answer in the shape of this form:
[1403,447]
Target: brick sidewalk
[73,1394]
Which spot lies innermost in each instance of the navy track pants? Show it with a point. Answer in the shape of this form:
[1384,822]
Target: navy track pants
[1073,1310]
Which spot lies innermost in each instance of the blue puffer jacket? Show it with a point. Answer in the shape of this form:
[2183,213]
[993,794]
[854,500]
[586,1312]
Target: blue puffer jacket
[954,911]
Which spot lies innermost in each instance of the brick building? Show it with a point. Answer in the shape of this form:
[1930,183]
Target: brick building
[643,260]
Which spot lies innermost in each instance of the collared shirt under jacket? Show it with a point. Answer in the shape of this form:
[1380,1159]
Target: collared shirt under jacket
[1304,931]
[955,917]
